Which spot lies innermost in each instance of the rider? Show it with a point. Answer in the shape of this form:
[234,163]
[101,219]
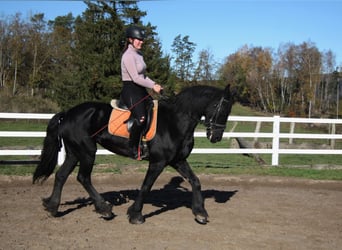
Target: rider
[135,83]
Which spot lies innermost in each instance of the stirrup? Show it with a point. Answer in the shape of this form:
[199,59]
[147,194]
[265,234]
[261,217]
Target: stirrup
[141,152]
[144,151]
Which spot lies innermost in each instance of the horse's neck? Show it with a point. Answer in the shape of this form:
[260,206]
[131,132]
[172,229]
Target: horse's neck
[188,117]
[181,118]
[197,110]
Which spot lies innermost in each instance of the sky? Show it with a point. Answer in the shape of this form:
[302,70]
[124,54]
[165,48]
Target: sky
[223,26]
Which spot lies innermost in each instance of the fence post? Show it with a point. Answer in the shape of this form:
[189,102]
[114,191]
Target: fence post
[292,128]
[333,131]
[275,142]
[257,130]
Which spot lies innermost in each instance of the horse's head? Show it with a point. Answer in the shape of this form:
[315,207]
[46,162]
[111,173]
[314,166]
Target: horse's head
[217,114]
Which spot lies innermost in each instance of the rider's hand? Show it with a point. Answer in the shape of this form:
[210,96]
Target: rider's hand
[157,88]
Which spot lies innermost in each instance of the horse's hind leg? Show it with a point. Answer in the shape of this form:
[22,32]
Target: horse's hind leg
[201,215]
[84,177]
[51,203]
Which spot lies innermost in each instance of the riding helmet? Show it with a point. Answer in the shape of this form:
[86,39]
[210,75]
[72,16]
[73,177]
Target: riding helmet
[135,32]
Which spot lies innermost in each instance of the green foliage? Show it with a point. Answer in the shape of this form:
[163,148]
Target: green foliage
[183,49]
[27,104]
[158,66]
[19,170]
[313,174]
[71,60]
[298,80]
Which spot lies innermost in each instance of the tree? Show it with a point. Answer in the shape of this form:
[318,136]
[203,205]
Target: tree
[64,73]
[183,50]
[327,86]
[98,44]
[4,54]
[290,83]
[72,60]
[158,66]
[258,64]
[234,71]
[39,39]
[98,38]
[206,67]
[18,53]
[336,82]
[309,66]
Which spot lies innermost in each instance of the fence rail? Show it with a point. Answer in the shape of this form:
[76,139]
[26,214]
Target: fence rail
[275,135]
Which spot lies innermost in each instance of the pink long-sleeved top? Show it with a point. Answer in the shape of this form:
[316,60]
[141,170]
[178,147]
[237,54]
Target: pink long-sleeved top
[133,68]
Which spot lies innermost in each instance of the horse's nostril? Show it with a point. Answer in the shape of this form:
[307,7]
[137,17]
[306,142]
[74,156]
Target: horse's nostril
[216,138]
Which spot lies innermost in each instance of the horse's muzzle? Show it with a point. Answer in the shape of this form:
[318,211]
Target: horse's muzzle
[214,135]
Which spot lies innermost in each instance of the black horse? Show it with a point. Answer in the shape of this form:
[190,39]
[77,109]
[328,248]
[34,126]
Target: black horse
[81,128]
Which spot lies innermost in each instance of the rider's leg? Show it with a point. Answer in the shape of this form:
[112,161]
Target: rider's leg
[135,138]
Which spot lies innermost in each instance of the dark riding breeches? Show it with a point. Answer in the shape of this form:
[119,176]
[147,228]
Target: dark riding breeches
[132,95]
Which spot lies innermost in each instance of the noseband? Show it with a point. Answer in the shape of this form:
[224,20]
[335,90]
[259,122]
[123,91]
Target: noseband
[213,125]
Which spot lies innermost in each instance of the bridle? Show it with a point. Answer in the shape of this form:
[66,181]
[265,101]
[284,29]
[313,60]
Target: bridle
[212,124]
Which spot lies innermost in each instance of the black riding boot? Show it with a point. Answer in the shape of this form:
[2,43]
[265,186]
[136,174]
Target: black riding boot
[138,152]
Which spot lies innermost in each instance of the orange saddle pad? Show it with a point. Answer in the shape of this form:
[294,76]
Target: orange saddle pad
[118,117]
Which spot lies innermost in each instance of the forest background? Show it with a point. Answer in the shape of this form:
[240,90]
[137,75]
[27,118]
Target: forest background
[50,65]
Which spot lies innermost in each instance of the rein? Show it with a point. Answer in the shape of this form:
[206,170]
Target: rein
[135,104]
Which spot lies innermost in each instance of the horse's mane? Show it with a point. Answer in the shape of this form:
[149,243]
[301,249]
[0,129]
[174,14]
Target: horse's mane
[192,97]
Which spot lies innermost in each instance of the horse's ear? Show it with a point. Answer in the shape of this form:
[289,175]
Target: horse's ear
[227,90]
[230,92]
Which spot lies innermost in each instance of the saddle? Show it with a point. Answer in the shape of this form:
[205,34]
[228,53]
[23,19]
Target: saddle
[120,121]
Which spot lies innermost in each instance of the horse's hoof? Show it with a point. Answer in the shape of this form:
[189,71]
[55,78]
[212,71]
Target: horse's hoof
[203,220]
[108,216]
[52,209]
[105,209]
[135,217]
[136,220]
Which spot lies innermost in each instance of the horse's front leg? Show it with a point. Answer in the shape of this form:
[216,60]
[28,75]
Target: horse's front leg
[51,203]
[201,215]
[134,211]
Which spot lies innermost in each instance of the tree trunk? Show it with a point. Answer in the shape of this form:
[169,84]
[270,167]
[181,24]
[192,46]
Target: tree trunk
[15,77]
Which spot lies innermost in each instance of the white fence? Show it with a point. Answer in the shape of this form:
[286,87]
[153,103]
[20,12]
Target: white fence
[275,135]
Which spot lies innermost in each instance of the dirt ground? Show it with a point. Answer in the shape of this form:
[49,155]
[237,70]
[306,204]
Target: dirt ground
[246,212]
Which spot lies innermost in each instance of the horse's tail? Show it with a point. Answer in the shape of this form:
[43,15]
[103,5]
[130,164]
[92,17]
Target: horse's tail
[51,147]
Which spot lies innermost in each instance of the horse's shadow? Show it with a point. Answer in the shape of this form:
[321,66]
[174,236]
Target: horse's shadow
[170,197]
